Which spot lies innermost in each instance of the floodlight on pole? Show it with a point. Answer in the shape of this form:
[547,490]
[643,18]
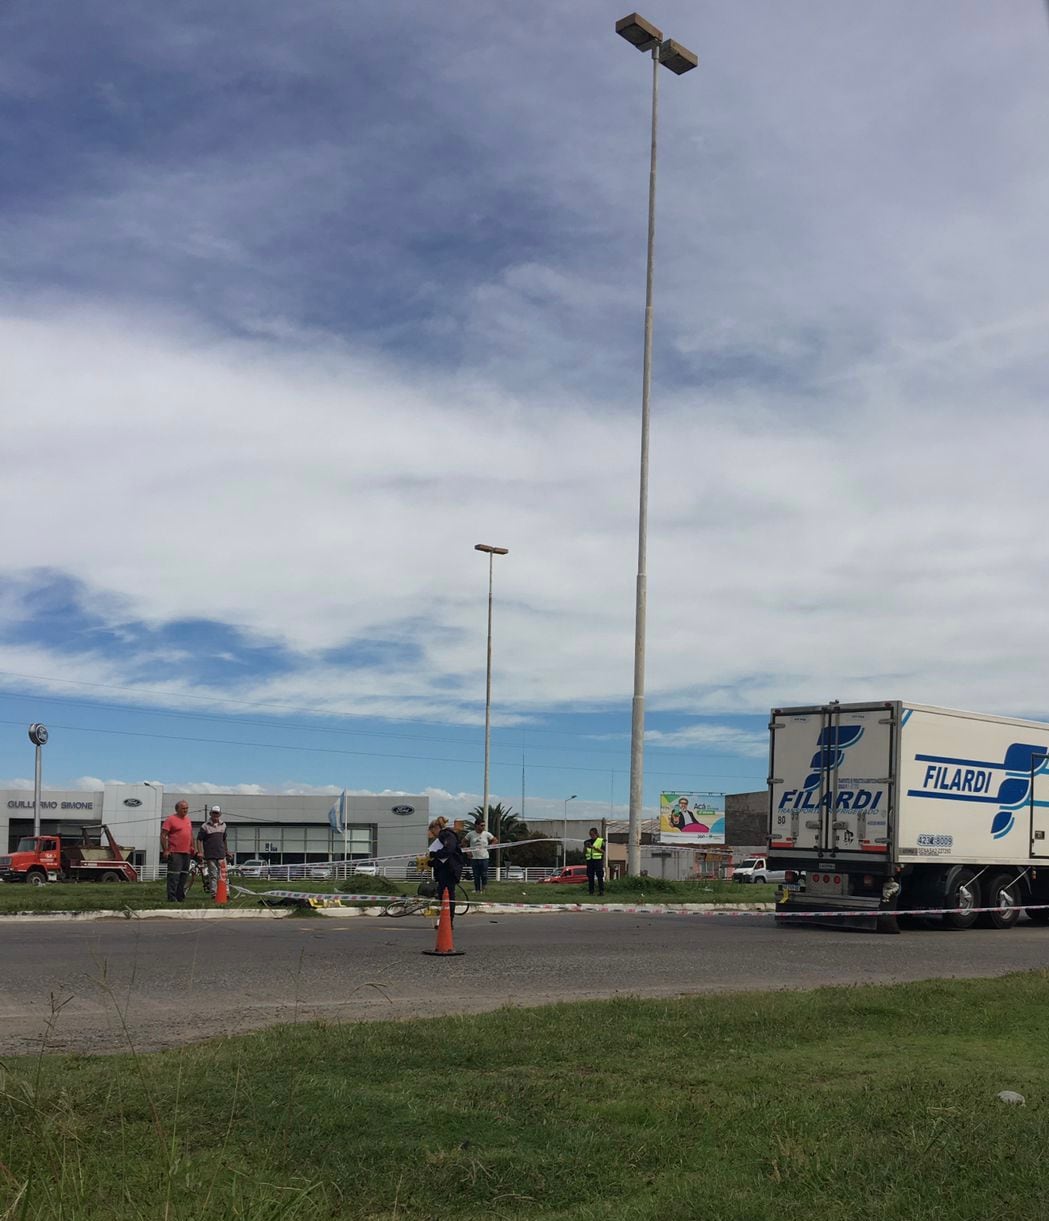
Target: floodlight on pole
[491,552]
[643,35]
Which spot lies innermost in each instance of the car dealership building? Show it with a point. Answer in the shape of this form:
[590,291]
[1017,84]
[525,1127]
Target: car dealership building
[277,828]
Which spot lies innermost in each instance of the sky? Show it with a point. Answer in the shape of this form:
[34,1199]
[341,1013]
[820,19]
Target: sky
[299,303]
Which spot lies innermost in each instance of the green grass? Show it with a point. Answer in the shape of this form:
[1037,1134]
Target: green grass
[95,896]
[628,890]
[835,1104]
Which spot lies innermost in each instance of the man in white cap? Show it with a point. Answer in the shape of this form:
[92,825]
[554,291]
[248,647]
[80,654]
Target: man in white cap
[214,848]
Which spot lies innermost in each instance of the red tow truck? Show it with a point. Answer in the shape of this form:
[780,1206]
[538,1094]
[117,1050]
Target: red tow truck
[95,857]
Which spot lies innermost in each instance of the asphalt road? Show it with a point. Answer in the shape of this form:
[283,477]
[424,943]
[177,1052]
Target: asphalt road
[174,982]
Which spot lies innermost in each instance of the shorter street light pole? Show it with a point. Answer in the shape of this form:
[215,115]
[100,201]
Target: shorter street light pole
[38,736]
[564,840]
[491,552]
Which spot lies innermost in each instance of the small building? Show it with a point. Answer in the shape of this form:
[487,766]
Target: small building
[747,822]
[278,828]
[670,861]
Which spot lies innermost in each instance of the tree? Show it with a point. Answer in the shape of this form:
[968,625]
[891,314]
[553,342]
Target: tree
[503,823]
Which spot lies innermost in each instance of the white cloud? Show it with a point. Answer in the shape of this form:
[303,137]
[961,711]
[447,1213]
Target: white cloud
[723,738]
[847,492]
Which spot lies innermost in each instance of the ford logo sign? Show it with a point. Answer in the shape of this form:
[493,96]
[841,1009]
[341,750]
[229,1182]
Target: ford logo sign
[133,802]
[404,809]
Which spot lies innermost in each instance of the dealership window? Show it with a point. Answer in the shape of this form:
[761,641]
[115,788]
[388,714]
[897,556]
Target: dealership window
[294,844]
[319,839]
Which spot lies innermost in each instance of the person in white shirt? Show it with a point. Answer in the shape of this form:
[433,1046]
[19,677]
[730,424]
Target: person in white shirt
[477,842]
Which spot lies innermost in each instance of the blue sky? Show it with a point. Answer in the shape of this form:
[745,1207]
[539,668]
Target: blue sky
[297,305]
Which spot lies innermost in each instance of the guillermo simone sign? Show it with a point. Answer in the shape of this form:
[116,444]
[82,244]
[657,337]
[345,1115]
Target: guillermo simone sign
[52,805]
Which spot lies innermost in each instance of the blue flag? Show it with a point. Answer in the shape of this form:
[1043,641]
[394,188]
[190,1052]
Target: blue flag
[337,814]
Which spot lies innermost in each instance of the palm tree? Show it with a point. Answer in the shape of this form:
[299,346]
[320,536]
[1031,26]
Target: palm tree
[510,828]
[503,823]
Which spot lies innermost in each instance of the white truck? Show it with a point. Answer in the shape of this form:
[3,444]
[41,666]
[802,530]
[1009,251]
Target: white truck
[877,808]
[756,869]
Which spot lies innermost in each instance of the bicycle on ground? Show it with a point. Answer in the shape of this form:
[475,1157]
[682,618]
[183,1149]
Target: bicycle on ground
[425,904]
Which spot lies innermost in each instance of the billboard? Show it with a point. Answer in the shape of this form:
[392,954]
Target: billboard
[685,820]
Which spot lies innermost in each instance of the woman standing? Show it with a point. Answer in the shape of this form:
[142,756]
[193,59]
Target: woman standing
[446,858]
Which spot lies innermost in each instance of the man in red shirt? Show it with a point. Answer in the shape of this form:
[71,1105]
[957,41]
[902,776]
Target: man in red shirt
[176,843]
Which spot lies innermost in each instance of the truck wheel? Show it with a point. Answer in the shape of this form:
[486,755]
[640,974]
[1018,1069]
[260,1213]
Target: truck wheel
[1003,896]
[110,876]
[759,880]
[962,891]
[36,878]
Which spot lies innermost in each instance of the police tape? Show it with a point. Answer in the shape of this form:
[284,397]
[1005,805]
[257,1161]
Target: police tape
[758,910]
[312,894]
[641,909]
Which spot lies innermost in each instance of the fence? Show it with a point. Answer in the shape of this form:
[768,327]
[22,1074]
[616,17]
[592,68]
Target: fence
[340,870]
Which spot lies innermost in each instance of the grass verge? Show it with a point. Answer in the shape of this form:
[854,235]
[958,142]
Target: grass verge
[94,896]
[834,1104]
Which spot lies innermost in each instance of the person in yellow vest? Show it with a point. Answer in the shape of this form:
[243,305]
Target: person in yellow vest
[594,855]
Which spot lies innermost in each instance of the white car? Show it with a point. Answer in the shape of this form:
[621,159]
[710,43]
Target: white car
[514,873]
[255,868]
[319,871]
[368,870]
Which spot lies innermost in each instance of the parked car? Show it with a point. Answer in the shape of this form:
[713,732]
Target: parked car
[756,869]
[368,870]
[319,871]
[514,873]
[255,868]
[568,875]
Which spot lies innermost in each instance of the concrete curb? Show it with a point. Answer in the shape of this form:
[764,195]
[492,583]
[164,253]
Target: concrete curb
[346,913]
[153,913]
[538,909]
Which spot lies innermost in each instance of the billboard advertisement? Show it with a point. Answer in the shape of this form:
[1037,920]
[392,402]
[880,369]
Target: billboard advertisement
[685,820]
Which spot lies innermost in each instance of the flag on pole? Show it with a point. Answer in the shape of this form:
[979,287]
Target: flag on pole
[337,814]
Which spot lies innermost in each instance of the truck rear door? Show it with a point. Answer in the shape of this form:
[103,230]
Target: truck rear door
[1039,816]
[831,779]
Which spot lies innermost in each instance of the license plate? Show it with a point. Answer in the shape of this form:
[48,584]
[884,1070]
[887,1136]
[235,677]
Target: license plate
[825,883]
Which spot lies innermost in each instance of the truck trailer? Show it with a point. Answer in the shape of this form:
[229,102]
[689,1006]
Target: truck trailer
[881,808]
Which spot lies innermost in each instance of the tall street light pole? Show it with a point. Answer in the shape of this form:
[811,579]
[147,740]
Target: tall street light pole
[564,839]
[492,552]
[646,37]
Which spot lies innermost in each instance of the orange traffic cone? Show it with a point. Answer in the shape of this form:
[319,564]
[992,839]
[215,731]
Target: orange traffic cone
[221,889]
[444,947]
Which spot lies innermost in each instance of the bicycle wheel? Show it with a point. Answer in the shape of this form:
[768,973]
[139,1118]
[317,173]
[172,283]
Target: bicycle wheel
[405,907]
[462,906]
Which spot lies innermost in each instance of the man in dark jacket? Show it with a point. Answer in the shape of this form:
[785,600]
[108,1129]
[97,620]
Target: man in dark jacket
[214,846]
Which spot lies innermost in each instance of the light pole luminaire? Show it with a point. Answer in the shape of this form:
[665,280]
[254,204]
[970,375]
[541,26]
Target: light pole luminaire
[492,552]
[646,37]
[38,736]
[564,836]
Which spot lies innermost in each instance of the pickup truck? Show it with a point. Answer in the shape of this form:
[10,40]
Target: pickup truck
[756,869]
